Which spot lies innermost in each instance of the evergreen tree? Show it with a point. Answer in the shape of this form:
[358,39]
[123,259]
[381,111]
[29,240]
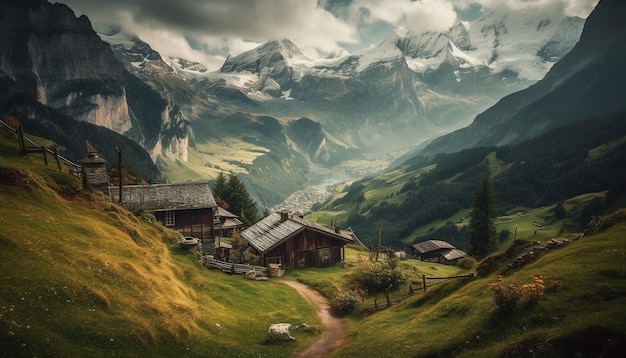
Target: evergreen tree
[559,210]
[482,229]
[240,201]
[220,190]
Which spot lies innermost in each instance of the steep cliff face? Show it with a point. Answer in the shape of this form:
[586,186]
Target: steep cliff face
[178,96]
[58,59]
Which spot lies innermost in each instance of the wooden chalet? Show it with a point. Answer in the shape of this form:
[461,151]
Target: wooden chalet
[292,242]
[437,251]
[226,223]
[185,207]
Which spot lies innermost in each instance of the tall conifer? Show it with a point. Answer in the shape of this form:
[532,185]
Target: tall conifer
[482,229]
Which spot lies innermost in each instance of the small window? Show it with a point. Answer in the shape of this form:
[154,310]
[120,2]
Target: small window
[168,220]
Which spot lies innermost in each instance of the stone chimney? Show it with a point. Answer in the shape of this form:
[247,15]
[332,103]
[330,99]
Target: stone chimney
[284,215]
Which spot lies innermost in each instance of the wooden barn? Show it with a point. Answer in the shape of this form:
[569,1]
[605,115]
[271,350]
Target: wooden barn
[292,242]
[185,207]
[437,251]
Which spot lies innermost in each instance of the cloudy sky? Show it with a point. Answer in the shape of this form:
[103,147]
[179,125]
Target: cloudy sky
[209,30]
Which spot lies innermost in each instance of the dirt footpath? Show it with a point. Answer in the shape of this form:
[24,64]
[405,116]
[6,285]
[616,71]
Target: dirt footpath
[335,332]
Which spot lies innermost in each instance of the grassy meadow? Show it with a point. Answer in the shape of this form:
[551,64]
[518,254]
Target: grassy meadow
[83,277]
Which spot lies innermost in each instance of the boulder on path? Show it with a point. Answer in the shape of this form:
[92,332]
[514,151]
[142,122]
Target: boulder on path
[279,332]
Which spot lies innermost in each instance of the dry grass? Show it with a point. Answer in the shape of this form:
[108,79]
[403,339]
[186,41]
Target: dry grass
[82,276]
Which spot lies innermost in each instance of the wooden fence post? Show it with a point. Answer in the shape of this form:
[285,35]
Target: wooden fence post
[424,281]
[20,138]
[45,157]
[56,157]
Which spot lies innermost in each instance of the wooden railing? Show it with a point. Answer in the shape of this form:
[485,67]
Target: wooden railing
[28,146]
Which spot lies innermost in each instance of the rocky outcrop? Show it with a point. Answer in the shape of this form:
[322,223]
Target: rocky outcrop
[279,332]
[59,59]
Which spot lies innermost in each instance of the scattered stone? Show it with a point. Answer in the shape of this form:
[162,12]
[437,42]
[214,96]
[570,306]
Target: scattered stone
[306,328]
[250,275]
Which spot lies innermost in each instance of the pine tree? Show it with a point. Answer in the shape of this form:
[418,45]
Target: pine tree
[220,190]
[559,210]
[240,201]
[482,229]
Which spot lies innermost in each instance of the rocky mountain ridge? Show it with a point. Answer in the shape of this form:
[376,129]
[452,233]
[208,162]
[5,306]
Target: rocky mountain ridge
[588,80]
[359,106]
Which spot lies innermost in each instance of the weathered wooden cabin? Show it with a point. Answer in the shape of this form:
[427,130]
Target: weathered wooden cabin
[185,207]
[226,223]
[437,251]
[293,242]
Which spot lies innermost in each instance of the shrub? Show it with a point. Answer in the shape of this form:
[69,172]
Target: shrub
[466,262]
[344,302]
[535,289]
[506,297]
[378,277]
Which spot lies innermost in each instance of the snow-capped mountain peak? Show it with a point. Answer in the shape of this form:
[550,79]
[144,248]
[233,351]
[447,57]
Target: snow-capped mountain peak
[460,59]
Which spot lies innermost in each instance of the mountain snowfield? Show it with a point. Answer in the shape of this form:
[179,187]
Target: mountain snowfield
[525,46]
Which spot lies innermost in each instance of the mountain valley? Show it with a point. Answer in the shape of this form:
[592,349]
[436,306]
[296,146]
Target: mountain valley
[369,106]
[390,141]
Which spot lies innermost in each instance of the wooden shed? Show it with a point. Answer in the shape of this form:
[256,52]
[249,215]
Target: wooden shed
[437,251]
[226,223]
[293,242]
[185,207]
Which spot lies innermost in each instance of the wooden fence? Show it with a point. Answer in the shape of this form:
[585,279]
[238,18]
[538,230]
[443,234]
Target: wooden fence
[233,268]
[443,279]
[28,146]
[387,300]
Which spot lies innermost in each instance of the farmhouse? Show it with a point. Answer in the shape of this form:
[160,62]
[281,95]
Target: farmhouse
[437,251]
[185,207]
[293,242]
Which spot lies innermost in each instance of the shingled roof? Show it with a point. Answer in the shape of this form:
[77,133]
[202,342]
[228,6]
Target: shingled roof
[166,197]
[227,219]
[279,227]
[432,245]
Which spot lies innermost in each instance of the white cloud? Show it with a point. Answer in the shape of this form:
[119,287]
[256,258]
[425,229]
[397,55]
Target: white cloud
[581,8]
[370,11]
[430,15]
[208,30]
[213,25]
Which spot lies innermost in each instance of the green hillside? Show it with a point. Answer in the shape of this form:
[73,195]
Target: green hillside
[583,160]
[582,311]
[84,277]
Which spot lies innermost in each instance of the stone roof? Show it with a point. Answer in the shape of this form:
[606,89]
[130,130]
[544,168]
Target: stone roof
[279,227]
[165,197]
[432,245]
